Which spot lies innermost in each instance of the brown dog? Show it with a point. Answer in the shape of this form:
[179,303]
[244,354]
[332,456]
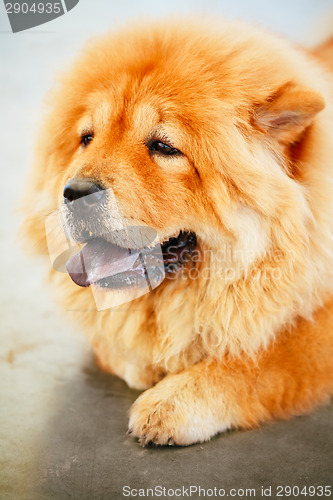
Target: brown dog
[220,137]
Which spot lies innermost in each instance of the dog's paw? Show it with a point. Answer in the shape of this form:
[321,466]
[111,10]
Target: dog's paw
[175,412]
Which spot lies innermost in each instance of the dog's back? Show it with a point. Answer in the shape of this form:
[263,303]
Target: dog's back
[325,52]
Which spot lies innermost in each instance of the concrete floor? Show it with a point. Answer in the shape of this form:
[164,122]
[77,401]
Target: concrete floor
[62,421]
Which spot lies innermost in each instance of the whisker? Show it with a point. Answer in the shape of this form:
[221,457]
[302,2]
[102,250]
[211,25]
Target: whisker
[47,213]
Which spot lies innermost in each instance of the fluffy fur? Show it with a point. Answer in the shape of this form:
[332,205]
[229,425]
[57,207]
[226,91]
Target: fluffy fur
[248,336]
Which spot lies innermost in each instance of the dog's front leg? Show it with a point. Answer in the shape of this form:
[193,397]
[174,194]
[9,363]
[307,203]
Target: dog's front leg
[294,374]
[194,405]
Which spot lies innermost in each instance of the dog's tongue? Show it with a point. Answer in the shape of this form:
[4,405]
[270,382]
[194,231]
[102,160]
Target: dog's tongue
[99,259]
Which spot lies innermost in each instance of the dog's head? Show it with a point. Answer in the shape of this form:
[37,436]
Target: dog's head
[194,132]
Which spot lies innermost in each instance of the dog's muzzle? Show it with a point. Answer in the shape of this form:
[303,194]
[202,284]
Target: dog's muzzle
[89,239]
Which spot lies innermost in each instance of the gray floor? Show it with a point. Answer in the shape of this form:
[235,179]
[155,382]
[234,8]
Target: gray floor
[62,421]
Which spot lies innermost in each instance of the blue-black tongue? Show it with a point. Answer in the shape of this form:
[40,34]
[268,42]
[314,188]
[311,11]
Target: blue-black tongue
[99,259]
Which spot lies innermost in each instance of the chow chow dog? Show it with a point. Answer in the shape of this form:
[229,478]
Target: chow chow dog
[218,136]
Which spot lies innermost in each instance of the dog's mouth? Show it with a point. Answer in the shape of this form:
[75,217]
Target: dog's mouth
[108,265]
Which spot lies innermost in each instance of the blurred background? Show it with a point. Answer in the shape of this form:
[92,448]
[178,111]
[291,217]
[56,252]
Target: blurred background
[54,404]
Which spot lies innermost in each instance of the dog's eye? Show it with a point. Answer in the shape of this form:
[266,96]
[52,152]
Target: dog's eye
[85,139]
[162,148]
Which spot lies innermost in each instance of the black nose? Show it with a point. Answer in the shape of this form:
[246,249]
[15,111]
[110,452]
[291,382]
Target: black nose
[89,190]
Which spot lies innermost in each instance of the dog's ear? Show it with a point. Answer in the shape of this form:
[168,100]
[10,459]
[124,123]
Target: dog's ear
[288,112]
